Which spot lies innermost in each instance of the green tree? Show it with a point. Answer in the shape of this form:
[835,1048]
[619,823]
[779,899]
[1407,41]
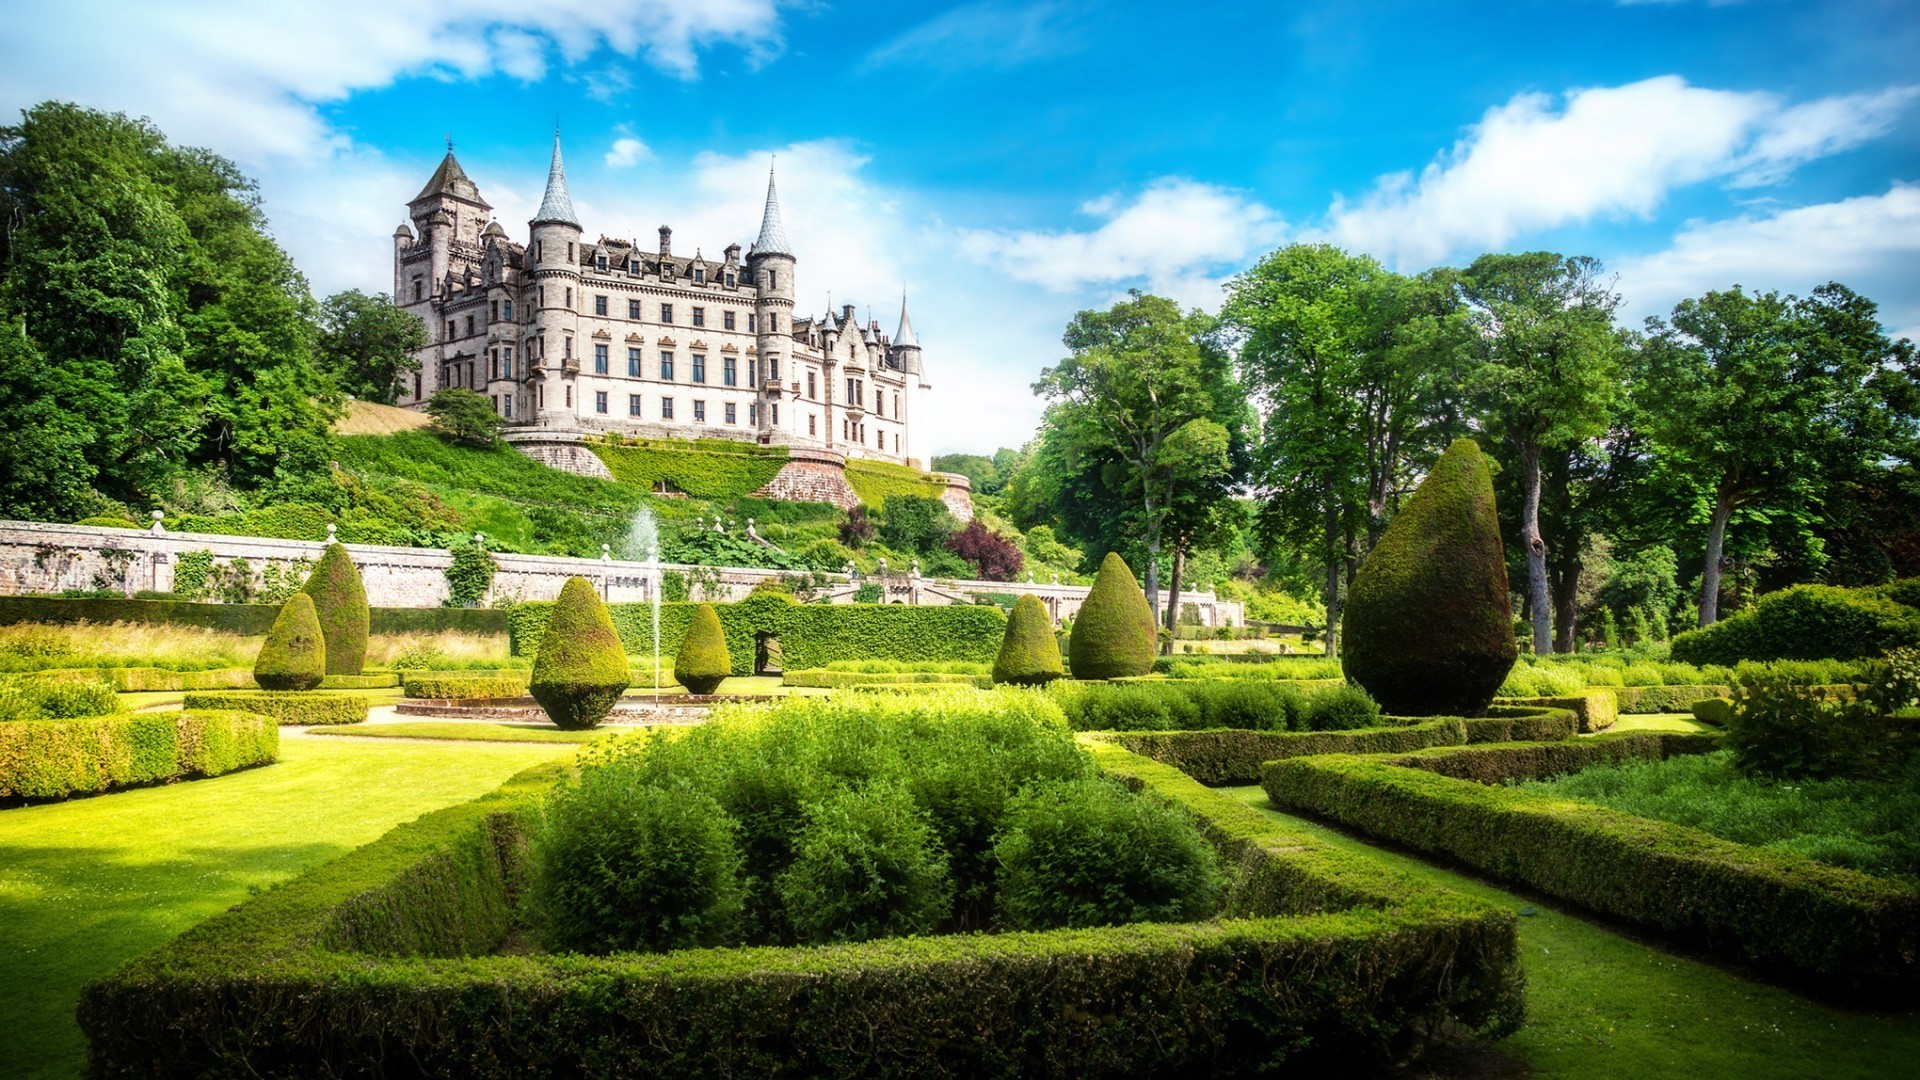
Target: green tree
[1770,402]
[1548,377]
[463,416]
[367,344]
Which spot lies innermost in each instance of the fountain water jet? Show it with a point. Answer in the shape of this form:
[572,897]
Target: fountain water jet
[643,540]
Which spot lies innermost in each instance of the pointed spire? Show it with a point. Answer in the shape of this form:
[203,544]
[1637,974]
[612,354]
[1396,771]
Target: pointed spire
[557,206]
[451,180]
[903,338]
[773,231]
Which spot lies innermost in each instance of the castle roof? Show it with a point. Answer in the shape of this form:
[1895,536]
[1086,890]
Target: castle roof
[556,206]
[451,179]
[773,231]
[903,338]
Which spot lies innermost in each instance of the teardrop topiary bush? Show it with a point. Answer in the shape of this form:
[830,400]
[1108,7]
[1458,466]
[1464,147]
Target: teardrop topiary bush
[703,660]
[1113,635]
[1029,655]
[1429,626]
[581,667]
[295,654]
[340,600]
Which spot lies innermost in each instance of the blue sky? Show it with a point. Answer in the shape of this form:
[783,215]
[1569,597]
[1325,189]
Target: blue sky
[1010,163]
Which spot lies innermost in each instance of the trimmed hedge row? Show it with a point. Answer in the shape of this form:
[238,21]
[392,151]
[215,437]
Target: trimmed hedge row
[379,680]
[384,960]
[510,685]
[1522,723]
[1597,709]
[1834,927]
[251,620]
[287,706]
[709,469]
[834,680]
[54,759]
[137,679]
[1664,699]
[1808,622]
[811,635]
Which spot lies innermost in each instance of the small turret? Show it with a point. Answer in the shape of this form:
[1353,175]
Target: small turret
[554,259]
[770,267]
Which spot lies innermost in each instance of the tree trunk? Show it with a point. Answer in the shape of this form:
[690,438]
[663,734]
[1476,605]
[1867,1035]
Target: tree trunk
[1566,607]
[1173,596]
[1538,604]
[1331,596]
[1716,552]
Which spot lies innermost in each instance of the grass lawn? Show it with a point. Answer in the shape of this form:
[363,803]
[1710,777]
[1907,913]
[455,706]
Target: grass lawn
[475,731]
[1604,1006]
[88,884]
[162,699]
[1660,722]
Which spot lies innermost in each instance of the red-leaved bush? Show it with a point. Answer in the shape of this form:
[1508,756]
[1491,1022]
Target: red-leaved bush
[993,556]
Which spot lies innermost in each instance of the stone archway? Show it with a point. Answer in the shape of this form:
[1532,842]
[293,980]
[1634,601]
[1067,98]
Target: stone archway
[766,653]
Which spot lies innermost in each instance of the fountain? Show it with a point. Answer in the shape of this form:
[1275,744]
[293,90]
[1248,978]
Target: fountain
[643,539]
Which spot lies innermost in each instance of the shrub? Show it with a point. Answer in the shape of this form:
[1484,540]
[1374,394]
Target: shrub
[581,669]
[1664,699]
[1597,710]
[1029,653]
[620,865]
[54,759]
[702,662]
[286,707]
[294,656]
[1113,633]
[1781,730]
[865,866]
[1805,622]
[464,417]
[469,575]
[1717,711]
[1087,853]
[1342,707]
[915,523]
[37,697]
[444,685]
[1236,756]
[340,601]
[1429,623]
[992,556]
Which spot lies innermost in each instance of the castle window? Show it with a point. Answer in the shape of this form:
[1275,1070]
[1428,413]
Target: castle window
[633,363]
[699,368]
[811,391]
[726,320]
[633,310]
[600,401]
[506,310]
[569,397]
[666,313]
[751,369]
[599,305]
[730,413]
[416,385]
[776,414]
[699,276]
[773,322]
[566,348]
[633,264]
[633,404]
[666,408]
[569,298]
[753,414]
[416,290]
[773,279]
[599,359]
[811,429]
[666,366]
[699,316]
[773,369]
[600,263]
[469,326]
[506,362]
[539,397]
[727,372]
[699,411]
[729,279]
[506,402]
[879,404]
[449,336]
[493,311]
[493,365]
[536,251]
[569,252]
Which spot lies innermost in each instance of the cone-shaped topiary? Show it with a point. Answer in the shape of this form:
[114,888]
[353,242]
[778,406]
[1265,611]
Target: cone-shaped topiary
[295,655]
[1113,635]
[341,602]
[1029,655]
[1429,626]
[581,667]
[703,660]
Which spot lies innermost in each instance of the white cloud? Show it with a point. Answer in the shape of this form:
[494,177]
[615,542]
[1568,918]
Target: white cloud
[1871,243]
[1178,236]
[627,152]
[988,34]
[1609,151]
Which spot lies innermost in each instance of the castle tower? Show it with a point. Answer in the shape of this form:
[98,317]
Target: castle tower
[448,211]
[771,263]
[906,349]
[553,354]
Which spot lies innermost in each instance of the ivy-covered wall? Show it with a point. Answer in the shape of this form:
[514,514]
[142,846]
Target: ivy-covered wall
[873,481]
[811,635]
[704,469]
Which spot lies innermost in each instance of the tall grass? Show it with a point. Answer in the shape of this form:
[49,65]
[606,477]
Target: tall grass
[448,650]
[37,647]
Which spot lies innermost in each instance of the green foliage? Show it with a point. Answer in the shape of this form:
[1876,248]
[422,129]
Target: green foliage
[835,680]
[41,698]
[701,662]
[340,602]
[1341,707]
[1113,633]
[581,668]
[470,575]
[619,865]
[1806,622]
[444,686]
[877,481]
[1597,709]
[1029,654]
[1429,623]
[55,759]
[367,344]
[915,523]
[1783,730]
[285,706]
[1088,853]
[294,656]
[465,417]
[865,865]
[868,592]
[190,574]
[704,468]
[1717,711]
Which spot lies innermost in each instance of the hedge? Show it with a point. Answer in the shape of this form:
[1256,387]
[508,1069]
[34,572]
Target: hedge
[1717,711]
[875,481]
[55,759]
[1597,708]
[137,679]
[379,680]
[708,469]
[811,635]
[251,620]
[1664,699]
[820,678]
[511,685]
[1807,622]
[1833,927]
[287,706]
[387,959]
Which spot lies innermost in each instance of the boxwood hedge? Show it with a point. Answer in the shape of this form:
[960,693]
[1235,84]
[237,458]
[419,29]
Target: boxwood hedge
[389,959]
[134,679]
[1664,699]
[252,620]
[1831,927]
[835,680]
[54,759]
[287,706]
[511,684]
[1597,709]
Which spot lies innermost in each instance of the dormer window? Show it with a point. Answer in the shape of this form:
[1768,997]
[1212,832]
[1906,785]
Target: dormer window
[600,263]
[730,279]
[699,276]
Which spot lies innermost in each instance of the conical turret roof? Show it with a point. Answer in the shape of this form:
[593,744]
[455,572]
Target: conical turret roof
[451,179]
[773,231]
[903,338]
[556,206]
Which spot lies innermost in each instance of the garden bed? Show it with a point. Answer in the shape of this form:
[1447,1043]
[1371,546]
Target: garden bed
[287,706]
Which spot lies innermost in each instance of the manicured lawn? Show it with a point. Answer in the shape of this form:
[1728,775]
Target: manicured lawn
[1660,722]
[88,884]
[1603,1006]
[480,731]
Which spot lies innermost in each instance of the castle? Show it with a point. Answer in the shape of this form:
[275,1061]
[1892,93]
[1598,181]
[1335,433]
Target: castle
[567,336]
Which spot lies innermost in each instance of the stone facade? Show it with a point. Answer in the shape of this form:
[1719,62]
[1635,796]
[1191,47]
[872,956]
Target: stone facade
[586,337]
[812,476]
[36,557]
